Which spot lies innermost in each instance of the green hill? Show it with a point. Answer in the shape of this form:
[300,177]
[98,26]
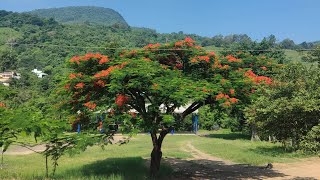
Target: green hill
[82,14]
[316,43]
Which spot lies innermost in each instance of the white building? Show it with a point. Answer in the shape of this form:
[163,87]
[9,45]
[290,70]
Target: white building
[6,77]
[39,73]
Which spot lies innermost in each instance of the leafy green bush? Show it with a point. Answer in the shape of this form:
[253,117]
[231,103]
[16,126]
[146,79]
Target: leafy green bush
[290,109]
[311,142]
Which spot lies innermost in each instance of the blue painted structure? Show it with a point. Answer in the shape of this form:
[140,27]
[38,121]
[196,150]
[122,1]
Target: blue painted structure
[79,128]
[195,120]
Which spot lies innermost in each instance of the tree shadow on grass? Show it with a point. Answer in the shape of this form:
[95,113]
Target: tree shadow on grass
[208,169]
[118,168]
[229,136]
[171,168]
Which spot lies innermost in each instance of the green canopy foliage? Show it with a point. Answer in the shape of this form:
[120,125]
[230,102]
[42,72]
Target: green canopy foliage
[142,88]
[290,109]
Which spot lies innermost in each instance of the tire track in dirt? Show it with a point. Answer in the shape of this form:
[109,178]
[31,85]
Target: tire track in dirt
[205,166]
[197,154]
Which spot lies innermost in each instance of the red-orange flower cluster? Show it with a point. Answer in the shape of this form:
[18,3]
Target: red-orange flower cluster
[233,100]
[232,59]
[212,53]
[227,104]
[73,75]
[263,79]
[224,67]
[179,66]
[67,86]
[204,58]
[186,42]
[2,105]
[200,58]
[264,68]
[228,100]
[221,96]
[79,85]
[178,43]
[121,99]
[250,74]
[77,59]
[133,52]
[152,46]
[232,91]
[100,83]
[258,79]
[106,72]
[104,59]
[90,105]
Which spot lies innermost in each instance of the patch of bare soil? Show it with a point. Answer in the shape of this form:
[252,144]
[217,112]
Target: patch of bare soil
[304,168]
[24,150]
[204,166]
[20,150]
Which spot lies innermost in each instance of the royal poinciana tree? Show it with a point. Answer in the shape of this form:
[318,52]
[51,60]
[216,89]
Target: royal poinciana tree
[140,89]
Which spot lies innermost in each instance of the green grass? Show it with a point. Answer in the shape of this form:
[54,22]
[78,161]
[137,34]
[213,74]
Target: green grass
[130,161]
[237,147]
[217,50]
[115,162]
[294,56]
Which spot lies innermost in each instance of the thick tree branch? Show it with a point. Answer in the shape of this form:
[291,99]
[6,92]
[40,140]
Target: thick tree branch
[139,104]
[170,109]
[194,106]
[190,109]
[162,135]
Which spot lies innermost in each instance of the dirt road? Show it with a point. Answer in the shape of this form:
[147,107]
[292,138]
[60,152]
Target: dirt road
[204,166]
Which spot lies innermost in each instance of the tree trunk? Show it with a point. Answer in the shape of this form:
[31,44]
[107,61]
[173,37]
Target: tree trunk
[254,133]
[156,156]
[47,169]
[2,159]
[156,153]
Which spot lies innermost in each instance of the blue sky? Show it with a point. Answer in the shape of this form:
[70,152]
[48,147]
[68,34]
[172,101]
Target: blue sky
[295,19]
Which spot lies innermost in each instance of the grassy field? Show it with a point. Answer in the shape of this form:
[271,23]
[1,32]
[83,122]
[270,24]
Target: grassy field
[294,56]
[115,162]
[130,161]
[217,50]
[238,148]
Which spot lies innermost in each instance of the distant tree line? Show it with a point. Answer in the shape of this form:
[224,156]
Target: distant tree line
[246,41]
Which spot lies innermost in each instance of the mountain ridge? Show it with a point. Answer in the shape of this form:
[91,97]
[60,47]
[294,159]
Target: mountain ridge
[82,15]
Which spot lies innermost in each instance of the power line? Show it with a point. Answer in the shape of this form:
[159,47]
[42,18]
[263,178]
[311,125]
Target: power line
[161,49]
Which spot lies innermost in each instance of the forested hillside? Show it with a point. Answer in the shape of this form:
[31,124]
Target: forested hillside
[37,42]
[83,14]
[28,42]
